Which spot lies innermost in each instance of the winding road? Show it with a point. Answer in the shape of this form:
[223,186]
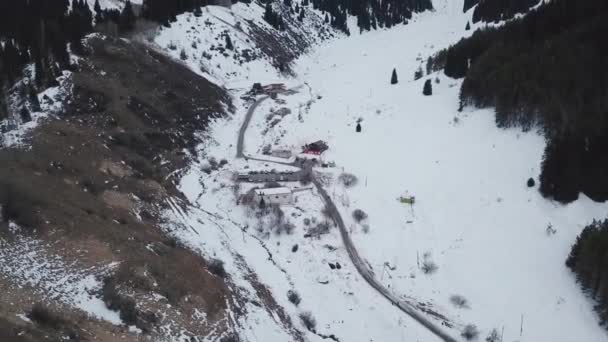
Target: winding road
[360,265]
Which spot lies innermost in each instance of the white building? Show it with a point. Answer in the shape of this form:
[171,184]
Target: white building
[280,196]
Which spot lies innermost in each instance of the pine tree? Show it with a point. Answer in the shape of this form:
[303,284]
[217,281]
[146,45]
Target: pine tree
[428,88]
[229,45]
[33,98]
[98,13]
[358,128]
[468,27]
[127,18]
[418,74]
[326,18]
[394,79]
[25,115]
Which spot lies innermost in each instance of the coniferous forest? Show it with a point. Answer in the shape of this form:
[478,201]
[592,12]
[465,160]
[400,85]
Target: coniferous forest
[547,71]
[588,259]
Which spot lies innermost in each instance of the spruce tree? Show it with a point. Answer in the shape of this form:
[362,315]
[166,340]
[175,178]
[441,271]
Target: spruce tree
[468,27]
[418,74]
[229,45]
[127,18]
[428,88]
[394,79]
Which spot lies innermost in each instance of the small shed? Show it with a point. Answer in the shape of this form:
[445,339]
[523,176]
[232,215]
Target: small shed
[280,196]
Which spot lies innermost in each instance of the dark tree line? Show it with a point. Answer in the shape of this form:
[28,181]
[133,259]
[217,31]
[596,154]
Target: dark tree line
[38,32]
[468,4]
[588,259]
[370,14]
[165,11]
[497,10]
[547,70]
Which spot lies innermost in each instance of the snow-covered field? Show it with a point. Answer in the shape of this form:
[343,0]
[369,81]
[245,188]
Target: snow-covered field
[474,217]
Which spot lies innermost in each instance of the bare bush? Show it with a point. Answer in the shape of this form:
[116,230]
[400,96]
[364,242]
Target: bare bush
[428,266]
[470,332]
[309,322]
[327,211]
[306,221]
[494,336]
[459,301]
[43,316]
[365,228]
[182,55]
[286,227]
[320,229]
[348,179]
[115,301]
[359,215]
[294,297]
[216,266]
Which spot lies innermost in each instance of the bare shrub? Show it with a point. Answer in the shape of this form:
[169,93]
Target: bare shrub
[365,228]
[182,55]
[117,302]
[494,336]
[428,265]
[459,301]
[306,221]
[470,332]
[216,266]
[309,322]
[359,215]
[348,179]
[327,211]
[321,229]
[230,338]
[306,178]
[45,317]
[294,297]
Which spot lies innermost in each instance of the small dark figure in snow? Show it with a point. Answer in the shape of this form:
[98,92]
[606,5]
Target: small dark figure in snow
[358,128]
[531,182]
[394,79]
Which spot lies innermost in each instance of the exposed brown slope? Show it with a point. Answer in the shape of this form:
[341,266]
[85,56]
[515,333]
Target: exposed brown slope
[94,179]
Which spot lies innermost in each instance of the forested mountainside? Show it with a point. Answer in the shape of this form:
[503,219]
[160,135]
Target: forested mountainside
[522,70]
[497,10]
[587,260]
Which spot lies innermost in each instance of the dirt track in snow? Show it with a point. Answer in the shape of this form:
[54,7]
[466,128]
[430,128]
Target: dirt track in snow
[360,265]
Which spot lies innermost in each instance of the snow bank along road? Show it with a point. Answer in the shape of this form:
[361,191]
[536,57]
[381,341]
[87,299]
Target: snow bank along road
[362,268]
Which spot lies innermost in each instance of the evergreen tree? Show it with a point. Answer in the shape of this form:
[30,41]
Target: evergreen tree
[428,88]
[127,18]
[98,13]
[229,45]
[418,74]
[468,27]
[394,79]
[33,98]
[25,115]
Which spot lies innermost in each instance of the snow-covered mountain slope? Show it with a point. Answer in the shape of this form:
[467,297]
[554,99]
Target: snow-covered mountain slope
[474,217]
[258,51]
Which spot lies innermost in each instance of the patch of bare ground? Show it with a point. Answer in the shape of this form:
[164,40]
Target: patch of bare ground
[91,185]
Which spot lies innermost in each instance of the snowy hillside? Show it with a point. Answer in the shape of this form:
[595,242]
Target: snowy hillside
[497,264]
